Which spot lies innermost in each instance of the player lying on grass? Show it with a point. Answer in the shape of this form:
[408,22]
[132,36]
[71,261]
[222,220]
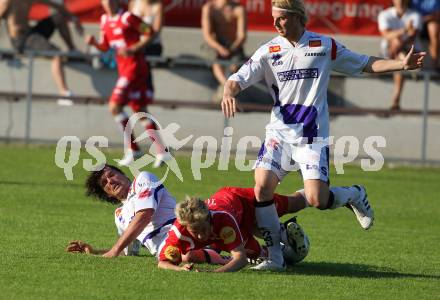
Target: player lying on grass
[226,221]
[144,218]
[146,214]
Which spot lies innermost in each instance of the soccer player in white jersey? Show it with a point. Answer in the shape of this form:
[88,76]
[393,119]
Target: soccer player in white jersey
[296,68]
[144,218]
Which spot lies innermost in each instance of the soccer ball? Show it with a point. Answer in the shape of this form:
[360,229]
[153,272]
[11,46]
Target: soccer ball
[298,244]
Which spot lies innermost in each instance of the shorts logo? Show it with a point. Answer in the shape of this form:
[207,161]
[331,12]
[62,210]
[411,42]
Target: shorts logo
[315,43]
[273,49]
[276,60]
[297,74]
[227,234]
[273,144]
[172,254]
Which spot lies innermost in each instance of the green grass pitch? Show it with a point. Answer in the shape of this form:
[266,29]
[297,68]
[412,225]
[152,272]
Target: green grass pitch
[40,211]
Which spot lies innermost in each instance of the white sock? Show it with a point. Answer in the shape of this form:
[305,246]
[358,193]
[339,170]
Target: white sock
[269,226]
[342,195]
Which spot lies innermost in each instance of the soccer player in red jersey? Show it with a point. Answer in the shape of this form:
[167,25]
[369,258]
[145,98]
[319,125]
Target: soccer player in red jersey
[226,222]
[127,34]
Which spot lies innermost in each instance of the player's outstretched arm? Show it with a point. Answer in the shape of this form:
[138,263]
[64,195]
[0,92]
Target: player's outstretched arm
[230,104]
[411,61]
[167,265]
[238,261]
[137,225]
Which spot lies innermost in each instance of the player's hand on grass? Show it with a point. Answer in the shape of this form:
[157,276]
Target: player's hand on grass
[79,247]
[187,267]
[111,253]
[413,60]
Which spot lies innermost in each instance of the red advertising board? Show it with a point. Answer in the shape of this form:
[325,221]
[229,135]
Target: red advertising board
[341,16]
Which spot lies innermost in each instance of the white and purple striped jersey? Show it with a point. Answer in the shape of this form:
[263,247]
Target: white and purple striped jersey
[146,192]
[297,78]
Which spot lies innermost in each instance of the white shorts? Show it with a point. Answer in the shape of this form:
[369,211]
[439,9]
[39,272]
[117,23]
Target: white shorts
[312,160]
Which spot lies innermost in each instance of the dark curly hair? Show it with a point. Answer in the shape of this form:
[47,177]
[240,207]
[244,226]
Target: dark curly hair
[94,188]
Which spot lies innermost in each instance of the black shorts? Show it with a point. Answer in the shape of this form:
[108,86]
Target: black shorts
[37,38]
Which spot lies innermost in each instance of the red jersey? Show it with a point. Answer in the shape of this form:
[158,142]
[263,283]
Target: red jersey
[122,31]
[232,219]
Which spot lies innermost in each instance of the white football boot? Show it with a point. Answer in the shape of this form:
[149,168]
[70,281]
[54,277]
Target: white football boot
[161,158]
[270,265]
[129,157]
[362,209]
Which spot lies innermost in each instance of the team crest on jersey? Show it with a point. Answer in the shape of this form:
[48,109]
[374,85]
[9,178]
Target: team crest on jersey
[172,254]
[273,49]
[276,60]
[227,234]
[315,43]
[118,214]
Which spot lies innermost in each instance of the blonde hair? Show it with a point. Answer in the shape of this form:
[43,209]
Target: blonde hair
[192,212]
[294,6]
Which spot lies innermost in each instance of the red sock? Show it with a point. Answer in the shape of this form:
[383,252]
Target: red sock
[151,128]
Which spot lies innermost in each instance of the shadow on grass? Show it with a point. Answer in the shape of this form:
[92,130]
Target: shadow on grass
[39,184]
[350,270]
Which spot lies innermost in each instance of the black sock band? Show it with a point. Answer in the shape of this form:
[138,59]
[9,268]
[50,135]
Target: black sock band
[263,204]
[331,200]
[207,257]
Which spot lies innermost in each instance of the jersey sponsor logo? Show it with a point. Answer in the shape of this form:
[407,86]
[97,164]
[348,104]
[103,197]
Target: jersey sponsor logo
[315,54]
[145,194]
[315,43]
[297,74]
[227,234]
[273,49]
[172,254]
[276,60]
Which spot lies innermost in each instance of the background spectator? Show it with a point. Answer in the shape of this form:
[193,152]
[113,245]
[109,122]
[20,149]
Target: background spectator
[430,11]
[151,12]
[224,31]
[25,37]
[400,27]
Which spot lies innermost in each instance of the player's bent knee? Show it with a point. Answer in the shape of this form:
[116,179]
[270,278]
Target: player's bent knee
[263,193]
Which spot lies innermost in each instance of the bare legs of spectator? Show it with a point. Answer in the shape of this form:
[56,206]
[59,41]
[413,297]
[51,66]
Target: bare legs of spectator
[59,76]
[397,91]
[219,74]
[434,37]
